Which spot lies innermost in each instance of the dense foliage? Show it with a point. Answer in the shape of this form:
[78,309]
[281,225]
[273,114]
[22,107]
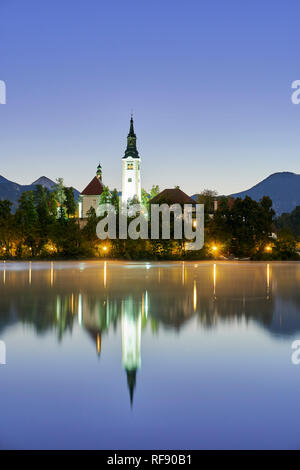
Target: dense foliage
[45,225]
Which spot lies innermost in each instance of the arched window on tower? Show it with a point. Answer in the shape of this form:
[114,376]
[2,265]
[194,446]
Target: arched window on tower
[130,166]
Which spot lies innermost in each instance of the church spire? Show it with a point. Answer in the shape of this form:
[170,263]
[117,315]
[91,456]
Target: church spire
[99,172]
[131,381]
[131,150]
[131,130]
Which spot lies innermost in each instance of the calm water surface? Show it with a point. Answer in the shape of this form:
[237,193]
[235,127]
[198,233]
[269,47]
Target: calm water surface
[149,355]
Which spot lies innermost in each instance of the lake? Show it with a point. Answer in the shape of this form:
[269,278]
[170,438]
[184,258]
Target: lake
[137,355]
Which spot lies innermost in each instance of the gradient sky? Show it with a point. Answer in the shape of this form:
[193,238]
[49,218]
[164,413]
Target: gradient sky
[209,84]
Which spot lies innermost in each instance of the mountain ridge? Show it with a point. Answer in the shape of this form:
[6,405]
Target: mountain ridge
[282,187]
[12,191]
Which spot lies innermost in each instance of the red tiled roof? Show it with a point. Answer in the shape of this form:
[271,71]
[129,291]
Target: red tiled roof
[94,188]
[172,196]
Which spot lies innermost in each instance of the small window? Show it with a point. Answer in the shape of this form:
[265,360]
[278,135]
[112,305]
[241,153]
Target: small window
[129,166]
[129,180]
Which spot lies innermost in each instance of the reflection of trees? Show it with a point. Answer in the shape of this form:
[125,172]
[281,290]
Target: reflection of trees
[227,310]
[156,298]
[165,298]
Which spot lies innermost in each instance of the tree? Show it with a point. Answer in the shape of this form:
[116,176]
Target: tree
[69,238]
[70,203]
[46,208]
[5,209]
[115,200]
[6,227]
[43,200]
[207,197]
[60,196]
[89,230]
[26,219]
[133,201]
[290,221]
[145,198]
[154,191]
[105,197]
[219,227]
[26,214]
[244,227]
[52,202]
[285,245]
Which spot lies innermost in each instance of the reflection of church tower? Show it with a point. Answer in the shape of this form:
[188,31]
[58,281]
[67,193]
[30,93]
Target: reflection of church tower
[131,343]
[131,174]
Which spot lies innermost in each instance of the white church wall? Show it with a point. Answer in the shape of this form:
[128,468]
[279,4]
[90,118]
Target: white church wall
[88,202]
[131,179]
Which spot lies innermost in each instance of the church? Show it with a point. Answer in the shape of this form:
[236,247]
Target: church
[131,169]
[131,178]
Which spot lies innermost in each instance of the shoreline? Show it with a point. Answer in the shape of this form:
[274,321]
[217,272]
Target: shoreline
[150,261]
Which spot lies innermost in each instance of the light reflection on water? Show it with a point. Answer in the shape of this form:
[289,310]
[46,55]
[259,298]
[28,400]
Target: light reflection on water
[149,355]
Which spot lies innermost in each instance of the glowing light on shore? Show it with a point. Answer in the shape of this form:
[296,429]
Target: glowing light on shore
[51,274]
[98,344]
[29,273]
[268,281]
[183,273]
[80,309]
[105,274]
[215,279]
[58,307]
[4,273]
[195,297]
[143,304]
[146,304]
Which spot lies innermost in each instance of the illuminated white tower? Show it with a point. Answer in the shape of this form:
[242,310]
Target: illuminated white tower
[131,343]
[131,172]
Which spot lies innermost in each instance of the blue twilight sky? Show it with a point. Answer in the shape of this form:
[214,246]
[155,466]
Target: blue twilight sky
[209,83]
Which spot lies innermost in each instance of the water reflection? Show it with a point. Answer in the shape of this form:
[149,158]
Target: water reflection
[101,296]
[131,342]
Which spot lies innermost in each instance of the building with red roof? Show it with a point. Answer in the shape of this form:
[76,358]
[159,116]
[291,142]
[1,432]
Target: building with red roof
[90,196]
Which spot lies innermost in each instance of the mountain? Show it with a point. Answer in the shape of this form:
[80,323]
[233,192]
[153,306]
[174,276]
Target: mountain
[283,188]
[12,191]
[44,181]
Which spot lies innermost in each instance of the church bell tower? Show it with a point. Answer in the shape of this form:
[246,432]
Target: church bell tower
[131,172]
